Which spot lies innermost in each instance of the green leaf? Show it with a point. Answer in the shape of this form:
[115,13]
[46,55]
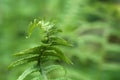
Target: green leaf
[61,78]
[32,25]
[36,78]
[59,41]
[54,30]
[45,59]
[48,53]
[60,54]
[50,68]
[27,72]
[56,70]
[24,60]
[35,50]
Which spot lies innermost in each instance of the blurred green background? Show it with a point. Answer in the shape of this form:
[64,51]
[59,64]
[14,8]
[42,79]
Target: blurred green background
[92,26]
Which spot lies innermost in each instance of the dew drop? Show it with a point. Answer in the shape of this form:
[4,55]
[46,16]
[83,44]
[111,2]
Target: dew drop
[26,37]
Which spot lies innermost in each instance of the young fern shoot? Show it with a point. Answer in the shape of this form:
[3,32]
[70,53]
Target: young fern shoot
[42,54]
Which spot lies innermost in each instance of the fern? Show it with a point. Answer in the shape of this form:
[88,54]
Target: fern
[27,72]
[47,51]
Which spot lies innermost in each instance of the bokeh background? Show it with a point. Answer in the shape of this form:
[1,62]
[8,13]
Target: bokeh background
[92,26]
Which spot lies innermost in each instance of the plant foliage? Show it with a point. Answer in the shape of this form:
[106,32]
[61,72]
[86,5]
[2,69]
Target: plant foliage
[48,51]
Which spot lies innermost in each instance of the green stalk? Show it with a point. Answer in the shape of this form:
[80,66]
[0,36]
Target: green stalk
[43,74]
[40,63]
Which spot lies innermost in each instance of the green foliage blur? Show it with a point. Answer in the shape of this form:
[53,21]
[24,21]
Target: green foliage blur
[92,26]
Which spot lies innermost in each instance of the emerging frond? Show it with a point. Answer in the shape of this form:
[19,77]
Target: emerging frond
[32,27]
[43,54]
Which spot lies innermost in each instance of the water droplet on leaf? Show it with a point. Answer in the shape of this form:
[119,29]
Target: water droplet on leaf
[26,37]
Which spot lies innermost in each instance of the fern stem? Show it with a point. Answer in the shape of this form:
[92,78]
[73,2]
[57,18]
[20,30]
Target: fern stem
[40,63]
[41,70]
[43,73]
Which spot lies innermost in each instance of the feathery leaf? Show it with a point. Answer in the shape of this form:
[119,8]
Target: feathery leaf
[52,67]
[35,50]
[24,60]
[59,41]
[27,72]
[60,54]
[32,27]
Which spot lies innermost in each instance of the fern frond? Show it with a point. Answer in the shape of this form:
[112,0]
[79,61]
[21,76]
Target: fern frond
[59,41]
[60,54]
[24,60]
[45,59]
[36,78]
[53,54]
[50,68]
[35,50]
[47,51]
[54,30]
[32,25]
[27,72]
